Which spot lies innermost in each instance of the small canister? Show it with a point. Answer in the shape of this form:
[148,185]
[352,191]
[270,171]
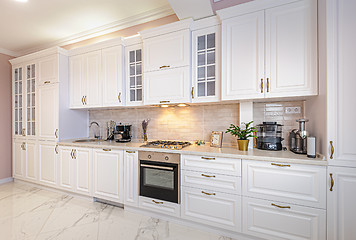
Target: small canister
[311,147]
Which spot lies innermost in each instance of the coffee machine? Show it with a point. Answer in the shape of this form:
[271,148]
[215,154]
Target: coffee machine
[122,133]
[298,138]
[269,136]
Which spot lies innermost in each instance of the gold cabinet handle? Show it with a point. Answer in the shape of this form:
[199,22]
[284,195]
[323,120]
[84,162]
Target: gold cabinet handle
[106,149]
[23,146]
[56,149]
[83,100]
[267,84]
[208,158]
[261,85]
[332,150]
[47,82]
[279,206]
[71,153]
[332,182]
[56,133]
[164,66]
[157,202]
[209,194]
[280,165]
[130,151]
[164,101]
[192,92]
[119,97]
[208,176]
[23,132]
[74,153]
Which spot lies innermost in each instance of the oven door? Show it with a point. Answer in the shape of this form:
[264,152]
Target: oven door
[159,180]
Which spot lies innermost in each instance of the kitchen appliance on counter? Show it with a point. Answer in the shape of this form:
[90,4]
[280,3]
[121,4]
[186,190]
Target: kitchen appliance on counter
[122,133]
[159,176]
[298,138]
[175,145]
[269,136]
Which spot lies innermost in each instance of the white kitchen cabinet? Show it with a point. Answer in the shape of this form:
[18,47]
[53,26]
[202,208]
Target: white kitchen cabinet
[48,155]
[65,168]
[294,183]
[48,70]
[211,208]
[276,221]
[48,111]
[341,203]
[160,206]
[206,64]
[18,86]
[109,175]
[165,87]
[131,178]
[78,83]
[112,76]
[31,172]
[262,58]
[19,158]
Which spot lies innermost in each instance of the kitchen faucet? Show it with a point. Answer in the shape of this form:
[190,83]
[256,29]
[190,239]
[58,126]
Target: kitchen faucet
[97,124]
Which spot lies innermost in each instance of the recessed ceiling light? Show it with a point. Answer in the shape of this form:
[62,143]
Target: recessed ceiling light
[21,1]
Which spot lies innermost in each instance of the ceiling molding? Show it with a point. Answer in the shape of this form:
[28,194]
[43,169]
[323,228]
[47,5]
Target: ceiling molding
[9,52]
[109,28]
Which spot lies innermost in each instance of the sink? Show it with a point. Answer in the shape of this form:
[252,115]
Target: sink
[87,140]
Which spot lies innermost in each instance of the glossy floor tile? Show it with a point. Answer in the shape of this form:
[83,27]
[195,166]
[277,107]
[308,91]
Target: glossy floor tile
[30,213]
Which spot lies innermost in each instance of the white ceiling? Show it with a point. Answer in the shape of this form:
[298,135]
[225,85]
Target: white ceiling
[37,24]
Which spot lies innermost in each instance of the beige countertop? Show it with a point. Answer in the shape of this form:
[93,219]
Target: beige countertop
[206,150]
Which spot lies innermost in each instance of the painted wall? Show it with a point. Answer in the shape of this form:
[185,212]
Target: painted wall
[125,32]
[5,116]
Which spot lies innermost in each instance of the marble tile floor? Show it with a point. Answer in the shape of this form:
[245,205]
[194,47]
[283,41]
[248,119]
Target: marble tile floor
[31,213]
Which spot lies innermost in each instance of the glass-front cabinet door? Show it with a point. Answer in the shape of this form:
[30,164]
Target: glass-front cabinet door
[134,75]
[18,96]
[31,100]
[205,59]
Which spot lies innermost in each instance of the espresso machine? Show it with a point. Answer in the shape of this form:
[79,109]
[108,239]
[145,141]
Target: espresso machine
[298,138]
[122,133]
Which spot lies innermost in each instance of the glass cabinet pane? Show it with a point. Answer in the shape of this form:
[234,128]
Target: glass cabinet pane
[211,40]
[135,75]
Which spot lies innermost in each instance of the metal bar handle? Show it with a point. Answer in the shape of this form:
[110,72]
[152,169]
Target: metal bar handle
[74,153]
[332,150]
[71,153]
[208,158]
[208,176]
[130,151]
[192,92]
[280,165]
[261,85]
[83,100]
[164,101]
[164,66]
[56,149]
[157,167]
[157,202]
[119,97]
[56,133]
[279,206]
[331,182]
[47,82]
[209,194]
[106,149]
[267,85]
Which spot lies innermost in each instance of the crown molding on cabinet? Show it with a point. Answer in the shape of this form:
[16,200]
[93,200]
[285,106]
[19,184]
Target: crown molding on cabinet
[96,46]
[132,40]
[248,7]
[167,28]
[109,28]
[40,54]
[205,23]
[9,52]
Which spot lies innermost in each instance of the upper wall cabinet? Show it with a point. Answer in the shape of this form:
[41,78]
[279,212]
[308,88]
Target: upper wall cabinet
[48,70]
[166,61]
[269,50]
[206,60]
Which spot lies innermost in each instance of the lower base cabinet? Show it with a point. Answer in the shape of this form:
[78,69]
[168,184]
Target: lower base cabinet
[109,175]
[275,220]
[160,206]
[131,178]
[19,159]
[212,208]
[31,166]
[48,155]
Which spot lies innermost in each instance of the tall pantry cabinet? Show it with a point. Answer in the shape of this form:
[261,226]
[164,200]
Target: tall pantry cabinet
[341,85]
[41,114]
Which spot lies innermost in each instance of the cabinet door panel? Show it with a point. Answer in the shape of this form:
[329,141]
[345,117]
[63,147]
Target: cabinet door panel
[66,168]
[291,62]
[48,111]
[171,50]
[93,78]
[77,83]
[19,155]
[131,178]
[48,70]
[31,161]
[48,163]
[83,160]
[169,85]
[243,57]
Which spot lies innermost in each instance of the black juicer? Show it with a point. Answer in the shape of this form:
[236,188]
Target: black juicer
[269,136]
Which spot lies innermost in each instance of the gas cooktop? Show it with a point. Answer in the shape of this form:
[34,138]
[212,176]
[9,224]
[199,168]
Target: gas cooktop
[175,145]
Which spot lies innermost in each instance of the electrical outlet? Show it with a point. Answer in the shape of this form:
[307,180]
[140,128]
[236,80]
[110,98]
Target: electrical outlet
[292,110]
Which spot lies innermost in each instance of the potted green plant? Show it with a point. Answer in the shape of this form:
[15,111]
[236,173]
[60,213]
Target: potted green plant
[242,134]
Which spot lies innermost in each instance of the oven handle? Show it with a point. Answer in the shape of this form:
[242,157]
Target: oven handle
[158,167]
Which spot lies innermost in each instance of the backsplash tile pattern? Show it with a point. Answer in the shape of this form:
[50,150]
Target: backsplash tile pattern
[276,112]
[173,123]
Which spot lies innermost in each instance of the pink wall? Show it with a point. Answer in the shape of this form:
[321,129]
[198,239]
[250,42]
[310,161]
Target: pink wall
[226,3]
[5,116]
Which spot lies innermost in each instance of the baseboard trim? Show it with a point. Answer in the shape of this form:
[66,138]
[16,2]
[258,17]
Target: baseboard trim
[6,180]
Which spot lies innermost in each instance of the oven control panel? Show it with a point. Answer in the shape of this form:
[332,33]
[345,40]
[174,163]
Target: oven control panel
[159,156]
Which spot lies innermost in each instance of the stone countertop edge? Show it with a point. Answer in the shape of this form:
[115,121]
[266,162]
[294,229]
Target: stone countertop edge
[228,152]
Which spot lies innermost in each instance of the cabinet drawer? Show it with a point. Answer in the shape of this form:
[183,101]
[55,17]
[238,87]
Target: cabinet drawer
[159,206]
[216,182]
[262,219]
[226,166]
[212,208]
[294,183]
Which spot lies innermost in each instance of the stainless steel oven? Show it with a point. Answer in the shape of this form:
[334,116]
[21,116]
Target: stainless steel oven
[159,175]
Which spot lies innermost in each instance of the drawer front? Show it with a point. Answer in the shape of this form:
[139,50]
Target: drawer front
[294,183]
[262,219]
[212,181]
[159,206]
[212,208]
[226,166]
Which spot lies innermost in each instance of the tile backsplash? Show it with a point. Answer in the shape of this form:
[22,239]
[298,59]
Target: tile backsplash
[173,123]
[281,112]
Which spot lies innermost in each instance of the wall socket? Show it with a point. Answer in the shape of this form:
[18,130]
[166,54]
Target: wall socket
[292,110]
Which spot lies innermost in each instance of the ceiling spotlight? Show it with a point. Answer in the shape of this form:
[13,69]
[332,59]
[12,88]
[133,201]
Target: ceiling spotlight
[23,1]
